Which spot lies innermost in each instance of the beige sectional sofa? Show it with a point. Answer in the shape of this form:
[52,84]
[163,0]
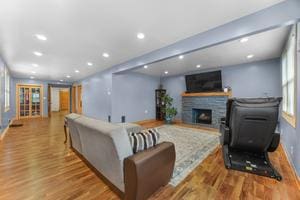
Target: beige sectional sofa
[106,147]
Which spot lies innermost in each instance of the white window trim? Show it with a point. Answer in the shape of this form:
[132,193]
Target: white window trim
[6,90]
[289,117]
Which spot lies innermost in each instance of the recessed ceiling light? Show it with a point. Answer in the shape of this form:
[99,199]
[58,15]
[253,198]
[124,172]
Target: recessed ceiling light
[198,66]
[35,65]
[31,77]
[89,63]
[68,76]
[140,35]
[166,72]
[41,37]
[105,55]
[243,40]
[76,71]
[33,72]
[181,57]
[145,66]
[250,56]
[37,53]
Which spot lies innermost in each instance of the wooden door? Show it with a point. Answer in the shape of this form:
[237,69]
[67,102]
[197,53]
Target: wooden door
[79,99]
[29,101]
[64,100]
[74,99]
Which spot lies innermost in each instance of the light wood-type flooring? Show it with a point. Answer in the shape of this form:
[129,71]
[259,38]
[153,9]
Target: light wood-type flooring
[35,164]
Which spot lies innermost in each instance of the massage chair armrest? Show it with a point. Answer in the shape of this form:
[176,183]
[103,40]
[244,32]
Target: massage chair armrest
[225,134]
[147,171]
[275,142]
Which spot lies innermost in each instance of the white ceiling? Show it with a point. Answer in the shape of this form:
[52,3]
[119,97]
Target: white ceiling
[79,31]
[263,46]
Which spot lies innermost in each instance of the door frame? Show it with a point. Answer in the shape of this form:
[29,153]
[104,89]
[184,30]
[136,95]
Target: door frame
[79,99]
[49,100]
[73,99]
[18,85]
[51,85]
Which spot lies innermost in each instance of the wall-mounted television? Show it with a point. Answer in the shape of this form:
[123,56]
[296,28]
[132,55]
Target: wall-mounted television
[204,82]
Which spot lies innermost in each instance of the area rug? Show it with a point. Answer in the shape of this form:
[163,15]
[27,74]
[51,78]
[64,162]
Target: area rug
[192,146]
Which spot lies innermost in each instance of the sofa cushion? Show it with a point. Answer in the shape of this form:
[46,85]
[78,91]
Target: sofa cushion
[144,139]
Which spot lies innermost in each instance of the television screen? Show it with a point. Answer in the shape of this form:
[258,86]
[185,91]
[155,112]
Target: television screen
[204,82]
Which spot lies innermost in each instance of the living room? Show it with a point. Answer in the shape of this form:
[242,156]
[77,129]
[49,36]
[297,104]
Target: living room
[205,110]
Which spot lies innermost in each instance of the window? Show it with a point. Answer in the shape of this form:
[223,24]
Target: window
[7,89]
[289,79]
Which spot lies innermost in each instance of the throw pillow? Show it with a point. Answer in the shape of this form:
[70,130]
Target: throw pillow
[144,139]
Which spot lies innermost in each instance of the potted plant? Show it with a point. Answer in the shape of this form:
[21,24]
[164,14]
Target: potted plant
[168,109]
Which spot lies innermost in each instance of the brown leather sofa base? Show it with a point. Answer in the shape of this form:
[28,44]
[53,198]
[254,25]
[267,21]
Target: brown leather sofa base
[147,171]
[144,172]
[103,178]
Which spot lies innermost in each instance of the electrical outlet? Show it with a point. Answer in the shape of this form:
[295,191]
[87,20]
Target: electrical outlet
[292,150]
[146,111]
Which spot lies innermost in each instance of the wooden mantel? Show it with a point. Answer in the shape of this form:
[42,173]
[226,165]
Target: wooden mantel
[207,94]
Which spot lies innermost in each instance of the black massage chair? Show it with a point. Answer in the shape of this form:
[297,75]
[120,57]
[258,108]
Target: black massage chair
[248,134]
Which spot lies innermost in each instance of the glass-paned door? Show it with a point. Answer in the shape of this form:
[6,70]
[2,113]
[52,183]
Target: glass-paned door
[35,102]
[24,101]
[29,101]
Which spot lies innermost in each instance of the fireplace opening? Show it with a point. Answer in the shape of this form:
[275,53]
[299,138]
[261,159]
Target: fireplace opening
[202,116]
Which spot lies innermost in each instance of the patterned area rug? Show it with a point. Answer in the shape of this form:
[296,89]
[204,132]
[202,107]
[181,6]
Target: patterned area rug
[192,146]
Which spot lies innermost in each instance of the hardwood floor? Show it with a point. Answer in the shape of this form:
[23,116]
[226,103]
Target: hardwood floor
[36,164]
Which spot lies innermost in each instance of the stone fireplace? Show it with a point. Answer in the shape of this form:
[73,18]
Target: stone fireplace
[204,109]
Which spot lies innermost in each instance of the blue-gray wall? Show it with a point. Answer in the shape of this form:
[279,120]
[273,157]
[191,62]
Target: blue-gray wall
[5,116]
[96,95]
[290,136]
[257,79]
[130,94]
[133,96]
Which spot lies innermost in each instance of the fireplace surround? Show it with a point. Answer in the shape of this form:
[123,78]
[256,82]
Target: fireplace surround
[204,109]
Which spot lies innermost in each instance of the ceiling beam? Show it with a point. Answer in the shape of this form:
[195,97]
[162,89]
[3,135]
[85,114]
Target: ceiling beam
[282,14]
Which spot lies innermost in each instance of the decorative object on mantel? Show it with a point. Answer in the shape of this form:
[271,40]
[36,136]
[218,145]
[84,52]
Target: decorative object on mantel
[227,89]
[169,111]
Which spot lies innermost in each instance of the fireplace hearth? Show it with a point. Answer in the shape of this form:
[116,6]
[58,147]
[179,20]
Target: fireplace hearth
[202,116]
